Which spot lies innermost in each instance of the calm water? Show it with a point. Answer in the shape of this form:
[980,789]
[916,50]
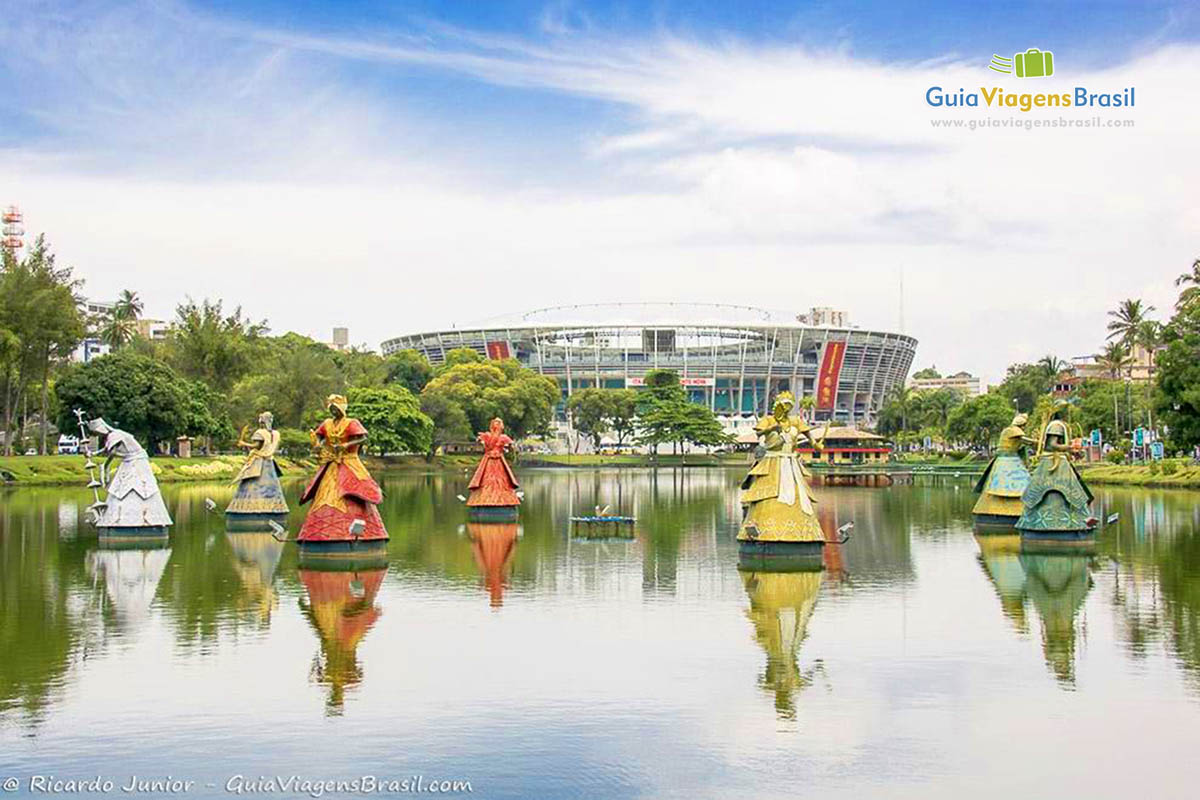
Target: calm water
[922,662]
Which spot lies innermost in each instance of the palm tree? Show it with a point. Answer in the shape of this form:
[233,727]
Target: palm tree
[1150,336]
[1114,359]
[1052,365]
[1190,296]
[902,397]
[128,306]
[116,332]
[1127,321]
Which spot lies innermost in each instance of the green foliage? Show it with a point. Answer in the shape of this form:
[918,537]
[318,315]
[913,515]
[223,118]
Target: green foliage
[1111,406]
[1178,395]
[595,412]
[393,419]
[1025,383]
[1170,466]
[666,415]
[208,345]
[979,420]
[467,393]
[361,368]
[1115,456]
[291,377]
[294,443]
[140,395]
[928,372]
[409,369]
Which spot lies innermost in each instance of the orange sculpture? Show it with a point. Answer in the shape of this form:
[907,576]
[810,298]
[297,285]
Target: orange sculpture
[493,487]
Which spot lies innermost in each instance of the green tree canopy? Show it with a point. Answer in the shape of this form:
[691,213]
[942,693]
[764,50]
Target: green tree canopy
[482,390]
[138,394]
[393,419]
[409,369]
[979,420]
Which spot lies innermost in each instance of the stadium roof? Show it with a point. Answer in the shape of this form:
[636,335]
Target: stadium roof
[642,313]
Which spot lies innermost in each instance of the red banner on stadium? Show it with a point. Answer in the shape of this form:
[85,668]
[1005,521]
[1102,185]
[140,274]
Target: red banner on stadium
[827,378]
[497,351]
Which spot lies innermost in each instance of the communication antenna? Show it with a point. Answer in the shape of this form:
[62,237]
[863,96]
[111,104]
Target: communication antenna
[13,230]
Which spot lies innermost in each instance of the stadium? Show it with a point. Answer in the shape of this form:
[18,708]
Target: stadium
[732,358]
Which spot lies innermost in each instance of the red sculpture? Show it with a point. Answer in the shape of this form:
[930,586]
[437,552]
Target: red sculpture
[494,487]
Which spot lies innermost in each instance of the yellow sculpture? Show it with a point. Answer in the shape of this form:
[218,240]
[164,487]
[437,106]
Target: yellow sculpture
[780,506]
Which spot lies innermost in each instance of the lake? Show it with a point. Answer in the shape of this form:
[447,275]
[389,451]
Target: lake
[922,661]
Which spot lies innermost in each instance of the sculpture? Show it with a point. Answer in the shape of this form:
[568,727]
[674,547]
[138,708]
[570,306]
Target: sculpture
[1055,504]
[493,487]
[779,505]
[133,505]
[1005,479]
[343,495]
[259,495]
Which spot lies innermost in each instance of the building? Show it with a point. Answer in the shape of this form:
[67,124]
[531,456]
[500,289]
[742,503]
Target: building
[734,359]
[963,382]
[1139,370]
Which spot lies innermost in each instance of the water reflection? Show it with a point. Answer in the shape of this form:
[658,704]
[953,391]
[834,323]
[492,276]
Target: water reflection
[130,576]
[340,606]
[781,604]
[255,559]
[1057,585]
[493,545]
[999,558]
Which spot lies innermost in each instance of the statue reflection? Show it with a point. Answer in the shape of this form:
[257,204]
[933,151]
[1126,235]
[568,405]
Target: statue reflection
[1057,584]
[341,607]
[256,557]
[131,574]
[999,555]
[493,545]
[781,604]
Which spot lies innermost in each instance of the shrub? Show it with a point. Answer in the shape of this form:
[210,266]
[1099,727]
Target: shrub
[1115,457]
[294,443]
[1170,467]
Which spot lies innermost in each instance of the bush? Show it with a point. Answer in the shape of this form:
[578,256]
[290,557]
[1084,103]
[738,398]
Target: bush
[1170,467]
[294,443]
[1155,468]
[1115,457]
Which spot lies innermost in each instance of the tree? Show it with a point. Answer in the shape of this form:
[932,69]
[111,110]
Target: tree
[938,405]
[666,415]
[1189,298]
[1178,387]
[1024,384]
[482,390]
[1126,323]
[1115,359]
[128,306]
[590,411]
[409,369]
[1052,366]
[360,368]
[292,377]
[622,412]
[450,423]
[393,419]
[39,310]
[206,344]
[138,394]
[979,420]
[928,372]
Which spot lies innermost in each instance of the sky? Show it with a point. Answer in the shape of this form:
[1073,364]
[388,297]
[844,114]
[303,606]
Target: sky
[395,167]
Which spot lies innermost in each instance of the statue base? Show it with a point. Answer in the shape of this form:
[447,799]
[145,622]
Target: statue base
[147,536]
[1051,542]
[759,556]
[344,555]
[253,522]
[492,513]
[995,524]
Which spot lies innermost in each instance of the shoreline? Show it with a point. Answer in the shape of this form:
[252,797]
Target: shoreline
[67,470]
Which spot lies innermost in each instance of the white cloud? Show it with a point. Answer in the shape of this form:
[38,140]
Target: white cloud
[191,154]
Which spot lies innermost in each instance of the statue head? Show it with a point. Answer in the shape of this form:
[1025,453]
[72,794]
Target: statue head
[784,403]
[266,419]
[98,425]
[497,425]
[1020,419]
[336,403]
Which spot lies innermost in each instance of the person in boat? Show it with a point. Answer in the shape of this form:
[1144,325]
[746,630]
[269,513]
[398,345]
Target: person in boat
[1056,500]
[132,499]
[779,505]
[342,492]
[258,488]
[493,484]
[1005,479]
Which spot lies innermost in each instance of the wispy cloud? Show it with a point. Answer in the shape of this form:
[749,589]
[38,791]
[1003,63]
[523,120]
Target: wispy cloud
[164,142]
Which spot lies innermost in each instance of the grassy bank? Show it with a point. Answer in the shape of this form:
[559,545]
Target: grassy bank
[1182,475]
[61,470]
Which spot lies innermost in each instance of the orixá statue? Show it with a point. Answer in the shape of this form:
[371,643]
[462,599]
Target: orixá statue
[780,506]
[1005,479]
[493,487]
[342,493]
[132,503]
[1056,500]
[258,496]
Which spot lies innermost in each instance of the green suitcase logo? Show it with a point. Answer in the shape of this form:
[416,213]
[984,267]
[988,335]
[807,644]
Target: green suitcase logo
[1034,63]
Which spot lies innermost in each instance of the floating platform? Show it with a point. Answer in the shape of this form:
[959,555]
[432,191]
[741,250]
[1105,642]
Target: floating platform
[995,524]
[151,536]
[780,557]
[253,522]
[604,520]
[757,556]
[343,555]
[1050,542]
[492,513]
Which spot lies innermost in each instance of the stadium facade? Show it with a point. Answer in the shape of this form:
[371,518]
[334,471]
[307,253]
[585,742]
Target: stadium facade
[731,358]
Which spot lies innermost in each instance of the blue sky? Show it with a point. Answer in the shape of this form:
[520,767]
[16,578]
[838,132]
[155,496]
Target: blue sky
[676,150]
